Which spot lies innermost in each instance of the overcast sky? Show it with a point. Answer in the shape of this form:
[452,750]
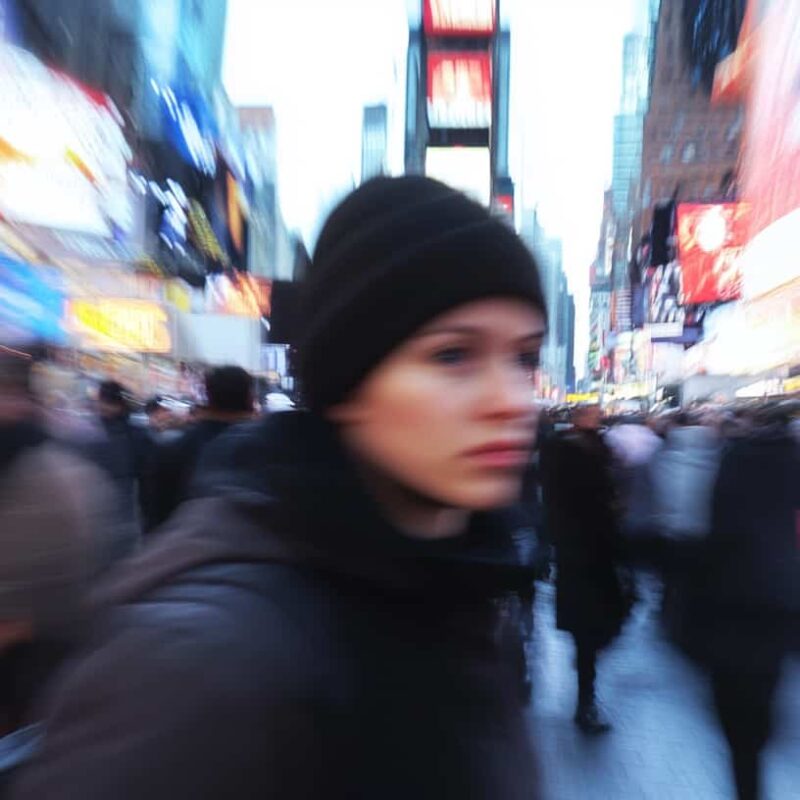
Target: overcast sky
[318,62]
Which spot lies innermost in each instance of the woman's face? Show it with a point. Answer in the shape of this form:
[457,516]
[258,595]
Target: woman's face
[450,413]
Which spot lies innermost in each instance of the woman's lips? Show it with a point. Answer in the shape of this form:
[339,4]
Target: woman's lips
[501,455]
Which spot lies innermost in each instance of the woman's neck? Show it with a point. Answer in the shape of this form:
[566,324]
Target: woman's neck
[412,513]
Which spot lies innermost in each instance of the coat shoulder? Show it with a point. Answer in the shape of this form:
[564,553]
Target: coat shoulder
[207,672]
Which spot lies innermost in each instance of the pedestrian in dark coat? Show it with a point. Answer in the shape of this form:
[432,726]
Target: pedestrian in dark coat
[744,612]
[230,400]
[52,511]
[124,452]
[583,520]
[324,622]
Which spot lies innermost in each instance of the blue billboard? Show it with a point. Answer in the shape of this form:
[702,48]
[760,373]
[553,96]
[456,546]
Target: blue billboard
[31,302]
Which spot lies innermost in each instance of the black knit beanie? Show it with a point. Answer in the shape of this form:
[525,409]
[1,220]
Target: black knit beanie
[393,255]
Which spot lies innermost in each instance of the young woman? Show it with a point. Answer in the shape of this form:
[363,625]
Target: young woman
[323,621]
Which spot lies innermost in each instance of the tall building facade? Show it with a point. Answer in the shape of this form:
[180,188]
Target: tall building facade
[458,99]
[558,352]
[691,146]
[599,325]
[374,141]
[628,124]
[121,46]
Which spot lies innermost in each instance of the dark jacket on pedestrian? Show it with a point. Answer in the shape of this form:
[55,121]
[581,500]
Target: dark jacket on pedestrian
[581,512]
[124,452]
[280,639]
[174,466]
[53,508]
[745,602]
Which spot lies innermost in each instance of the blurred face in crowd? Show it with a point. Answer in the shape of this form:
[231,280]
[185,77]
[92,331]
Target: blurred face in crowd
[14,405]
[159,418]
[16,400]
[588,418]
[449,415]
[109,410]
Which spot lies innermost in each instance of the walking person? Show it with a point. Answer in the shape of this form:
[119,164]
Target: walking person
[744,607]
[124,452]
[591,602]
[323,622]
[230,400]
[52,506]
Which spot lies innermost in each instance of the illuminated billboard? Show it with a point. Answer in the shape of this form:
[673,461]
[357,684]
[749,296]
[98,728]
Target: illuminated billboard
[710,241]
[459,17]
[459,89]
[242,295]
[763,72]
[467,169]
[119,325]
[31,302]
[63,155]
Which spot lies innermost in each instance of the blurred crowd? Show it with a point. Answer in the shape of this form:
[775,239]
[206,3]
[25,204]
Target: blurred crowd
[705,498]
[279,602]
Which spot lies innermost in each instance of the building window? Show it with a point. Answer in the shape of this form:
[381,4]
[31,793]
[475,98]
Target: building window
[735,127]
[666,154]
[689,153]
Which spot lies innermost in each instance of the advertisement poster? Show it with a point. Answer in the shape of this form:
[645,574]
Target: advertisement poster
[459,17]
[710,242]
[459,89]
[662,291]
[63,155]
[31,302]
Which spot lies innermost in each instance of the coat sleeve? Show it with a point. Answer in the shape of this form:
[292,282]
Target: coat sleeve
[163,712]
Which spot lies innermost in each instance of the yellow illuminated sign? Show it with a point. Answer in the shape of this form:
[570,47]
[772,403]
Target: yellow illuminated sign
[791,385]
[584,397]
[120,325]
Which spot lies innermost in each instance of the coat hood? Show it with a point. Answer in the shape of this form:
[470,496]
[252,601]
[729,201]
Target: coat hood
[283,490]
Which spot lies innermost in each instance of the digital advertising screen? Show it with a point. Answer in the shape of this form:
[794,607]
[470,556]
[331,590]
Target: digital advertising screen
[459,89]
[710,242]
[459,17]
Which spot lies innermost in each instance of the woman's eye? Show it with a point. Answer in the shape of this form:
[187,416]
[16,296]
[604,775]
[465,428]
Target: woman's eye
[529,359]
[451,356]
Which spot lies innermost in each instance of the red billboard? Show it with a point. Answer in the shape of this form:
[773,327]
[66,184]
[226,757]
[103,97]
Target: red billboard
[771,164]
[710,241]
[459,17]
[459,89]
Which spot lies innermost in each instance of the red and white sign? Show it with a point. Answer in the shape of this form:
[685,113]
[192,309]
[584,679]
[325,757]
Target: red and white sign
[771,165]
[505,204]
[710,242]
[459,89]
[459,17]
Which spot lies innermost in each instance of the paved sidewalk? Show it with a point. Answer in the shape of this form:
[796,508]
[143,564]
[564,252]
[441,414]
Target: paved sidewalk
[665,744]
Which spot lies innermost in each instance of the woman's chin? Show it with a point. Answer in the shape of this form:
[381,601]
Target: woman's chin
[488,494]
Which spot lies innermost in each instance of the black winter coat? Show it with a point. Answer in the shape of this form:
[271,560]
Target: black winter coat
[744,603]
[281,640]
[580,503]
[173,469]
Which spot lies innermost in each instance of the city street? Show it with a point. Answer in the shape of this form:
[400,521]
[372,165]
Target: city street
[665,744]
